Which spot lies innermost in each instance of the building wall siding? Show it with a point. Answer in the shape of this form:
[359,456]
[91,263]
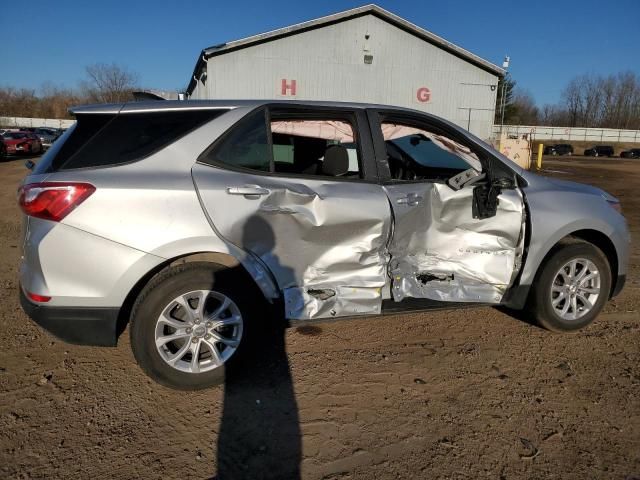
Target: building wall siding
[328,64]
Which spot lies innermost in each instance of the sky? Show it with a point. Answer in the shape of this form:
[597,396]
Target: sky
[549,42]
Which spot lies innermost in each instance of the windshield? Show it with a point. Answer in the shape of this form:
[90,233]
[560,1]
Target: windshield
[426,153]
[15,135]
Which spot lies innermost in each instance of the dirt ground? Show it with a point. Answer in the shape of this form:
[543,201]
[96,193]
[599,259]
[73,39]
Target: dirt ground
[453,394]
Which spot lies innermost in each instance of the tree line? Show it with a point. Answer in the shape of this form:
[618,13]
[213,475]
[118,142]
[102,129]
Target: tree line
[103,83]
[588,100]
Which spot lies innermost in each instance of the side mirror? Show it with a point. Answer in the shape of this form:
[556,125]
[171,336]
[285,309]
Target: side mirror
[30,164]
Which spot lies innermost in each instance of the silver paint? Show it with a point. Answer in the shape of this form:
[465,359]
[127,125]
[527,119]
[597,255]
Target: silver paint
[326,235]
[439,237]
[311,234]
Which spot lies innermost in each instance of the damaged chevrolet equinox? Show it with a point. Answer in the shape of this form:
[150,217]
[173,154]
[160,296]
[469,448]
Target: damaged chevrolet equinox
[188,221]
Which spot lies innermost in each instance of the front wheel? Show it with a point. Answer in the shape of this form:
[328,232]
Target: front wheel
[190,322]
[572,287]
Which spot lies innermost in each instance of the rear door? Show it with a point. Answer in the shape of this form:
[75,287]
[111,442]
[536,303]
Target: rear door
[297,188]
[458,215]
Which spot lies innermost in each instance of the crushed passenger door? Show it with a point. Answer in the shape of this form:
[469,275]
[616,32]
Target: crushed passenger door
[439,251]
[458,228]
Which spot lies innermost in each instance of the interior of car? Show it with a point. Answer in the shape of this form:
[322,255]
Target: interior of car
[315,147]
[416,154]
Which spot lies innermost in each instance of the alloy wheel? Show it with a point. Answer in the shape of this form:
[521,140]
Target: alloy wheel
[198,331]
[575,289]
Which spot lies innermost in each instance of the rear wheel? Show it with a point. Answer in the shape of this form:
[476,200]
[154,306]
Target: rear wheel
[572,287]
[190,322]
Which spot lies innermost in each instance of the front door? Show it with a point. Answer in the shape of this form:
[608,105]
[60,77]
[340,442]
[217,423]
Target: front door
[297,188]
[458,217]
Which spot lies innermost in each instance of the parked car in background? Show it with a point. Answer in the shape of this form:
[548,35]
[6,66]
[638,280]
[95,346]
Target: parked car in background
[22,143]
[191,220]
[46,135]
[599,151]
[633,153]
[558,149]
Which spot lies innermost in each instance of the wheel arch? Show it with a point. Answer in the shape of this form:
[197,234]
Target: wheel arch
[519,293]
[215,258]
[604,243]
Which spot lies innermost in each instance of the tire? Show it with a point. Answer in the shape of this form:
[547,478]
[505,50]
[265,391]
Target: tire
[157,298]
[541,297]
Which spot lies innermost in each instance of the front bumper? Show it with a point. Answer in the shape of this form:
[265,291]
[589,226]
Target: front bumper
[78,325]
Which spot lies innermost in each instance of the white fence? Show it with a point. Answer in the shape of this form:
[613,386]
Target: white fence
[18,122]
[601,135]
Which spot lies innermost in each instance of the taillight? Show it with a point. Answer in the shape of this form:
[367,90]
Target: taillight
[38,298]
[53,200]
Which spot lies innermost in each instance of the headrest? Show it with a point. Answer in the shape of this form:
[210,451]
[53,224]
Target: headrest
[336,161]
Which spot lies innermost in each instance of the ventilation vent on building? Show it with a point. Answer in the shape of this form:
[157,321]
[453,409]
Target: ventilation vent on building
[368,59]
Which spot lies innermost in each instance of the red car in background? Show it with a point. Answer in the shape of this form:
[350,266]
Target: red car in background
[21,142]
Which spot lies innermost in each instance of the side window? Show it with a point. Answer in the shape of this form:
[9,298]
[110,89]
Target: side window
[323,147]
[415,153]
[105,140]
[245,146]
[290,145]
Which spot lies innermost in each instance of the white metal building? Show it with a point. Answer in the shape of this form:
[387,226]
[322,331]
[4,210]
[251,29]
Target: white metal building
[366,54]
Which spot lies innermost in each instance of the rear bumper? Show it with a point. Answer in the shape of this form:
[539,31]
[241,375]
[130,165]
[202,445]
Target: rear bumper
[78,325]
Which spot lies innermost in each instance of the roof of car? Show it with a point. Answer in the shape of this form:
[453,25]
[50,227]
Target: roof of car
[165,105]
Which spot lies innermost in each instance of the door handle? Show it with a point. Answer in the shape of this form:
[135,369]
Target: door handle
[410,200]
[248,190]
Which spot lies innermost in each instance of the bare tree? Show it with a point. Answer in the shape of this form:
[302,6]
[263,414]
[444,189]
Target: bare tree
[109,83]
[554,115]
[18,102]
[525,111]
[596,101]
[572,96]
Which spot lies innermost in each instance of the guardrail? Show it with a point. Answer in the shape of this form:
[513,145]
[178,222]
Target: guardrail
[19,122]
[578,134]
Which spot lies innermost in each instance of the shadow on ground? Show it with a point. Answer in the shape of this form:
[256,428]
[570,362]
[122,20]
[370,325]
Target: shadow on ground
[260,434]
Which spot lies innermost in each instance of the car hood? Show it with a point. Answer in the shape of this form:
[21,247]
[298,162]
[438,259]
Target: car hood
[580,188]
[545,182]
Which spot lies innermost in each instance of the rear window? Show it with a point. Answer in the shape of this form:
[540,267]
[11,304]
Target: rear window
[15,135]
[101,140]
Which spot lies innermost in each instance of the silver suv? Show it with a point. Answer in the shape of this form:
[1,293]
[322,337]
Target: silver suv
[192,220]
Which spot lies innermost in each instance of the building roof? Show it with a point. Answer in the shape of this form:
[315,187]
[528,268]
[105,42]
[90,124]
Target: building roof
[370,9]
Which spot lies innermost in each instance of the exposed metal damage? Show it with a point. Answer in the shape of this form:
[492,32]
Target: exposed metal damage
[437,251]
[327,253]
[440,252]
